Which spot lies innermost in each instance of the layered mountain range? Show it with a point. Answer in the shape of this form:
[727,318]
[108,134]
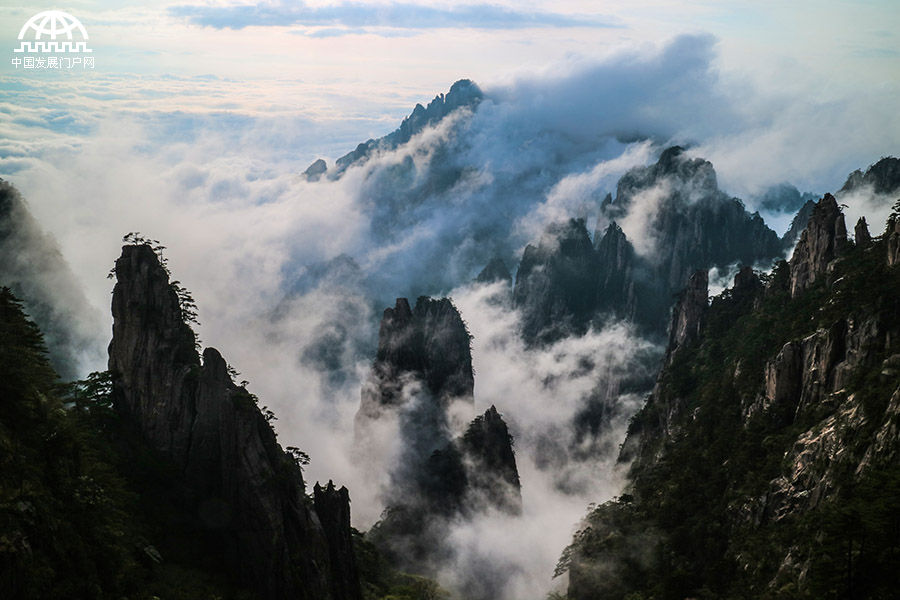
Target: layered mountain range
[761,464]
[764,461]
[567,282]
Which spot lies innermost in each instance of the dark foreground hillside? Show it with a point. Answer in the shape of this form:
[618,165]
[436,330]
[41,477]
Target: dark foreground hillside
[161,478]
[765,462]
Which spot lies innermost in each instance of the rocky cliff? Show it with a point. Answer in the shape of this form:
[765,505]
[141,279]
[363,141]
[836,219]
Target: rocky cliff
[245,492]
[565,283]
[332,507]
[883,177]
[462,94]
[487,449]
[423,365]
[824,239]
[756,459]
[32,266]
[556,284]
[798,224]
[892,236]
[429,345]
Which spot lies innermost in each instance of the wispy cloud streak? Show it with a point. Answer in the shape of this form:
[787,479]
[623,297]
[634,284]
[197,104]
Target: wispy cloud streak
[355,15]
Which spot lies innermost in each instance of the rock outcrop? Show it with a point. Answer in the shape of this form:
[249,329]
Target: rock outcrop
[617,288]
[689,311]
[495,271]
[467,476]
[33,268]
[423,365]
[333,509]
[565,284]
[883,177]
[695,224]
[245,491]
[487,449]
[798,224]
[823,240]
[463,93]
[663,410]
[769,446]
[556,284]
[861,233]
[429,345]
[315,170]
[892,234]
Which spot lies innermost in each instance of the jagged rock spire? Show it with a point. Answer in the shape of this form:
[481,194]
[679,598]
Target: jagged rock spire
[430,344]
[861,233]
[822,241]
[495,271]
[246,493]
[689,312]
[333,509]
[892,233]
[493,474]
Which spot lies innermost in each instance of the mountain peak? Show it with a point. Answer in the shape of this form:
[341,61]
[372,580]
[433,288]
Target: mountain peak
[464,93]
[883,176]
[822,241]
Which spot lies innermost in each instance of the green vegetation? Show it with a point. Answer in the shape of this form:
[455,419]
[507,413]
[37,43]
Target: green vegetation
[75,491]
[381,582]
[704,496]
[87,511]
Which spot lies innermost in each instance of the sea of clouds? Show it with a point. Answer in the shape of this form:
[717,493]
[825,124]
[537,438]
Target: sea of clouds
[290,276]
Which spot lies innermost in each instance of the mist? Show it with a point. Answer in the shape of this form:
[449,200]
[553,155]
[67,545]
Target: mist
[291,276]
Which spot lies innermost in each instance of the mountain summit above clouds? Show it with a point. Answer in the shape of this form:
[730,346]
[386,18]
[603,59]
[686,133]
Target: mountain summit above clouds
[677,221]
[463,93]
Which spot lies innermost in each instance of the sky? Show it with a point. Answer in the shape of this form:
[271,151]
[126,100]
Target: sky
[199,116]
[367,62]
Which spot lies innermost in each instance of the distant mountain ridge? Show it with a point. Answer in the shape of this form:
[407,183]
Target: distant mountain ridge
[566,283]
[463,93]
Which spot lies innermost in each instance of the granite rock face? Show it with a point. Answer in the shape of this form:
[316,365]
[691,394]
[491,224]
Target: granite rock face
[333,509]
[696,225]
[617,288]
[798,224]
[664,410]
[246,492]
[487,448]
[892,234]
[689,311]
[810,374]
[861,233]
[828,392]
[823,240]
[556,284]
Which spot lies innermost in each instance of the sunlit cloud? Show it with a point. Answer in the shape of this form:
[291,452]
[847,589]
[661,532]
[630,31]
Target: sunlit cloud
[395,15]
